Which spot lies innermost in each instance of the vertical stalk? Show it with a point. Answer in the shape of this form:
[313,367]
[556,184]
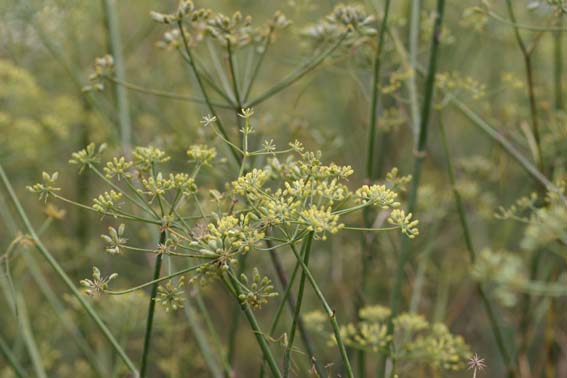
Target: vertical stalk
[494,324]
[376,93]
[329,311]
[29,340]
[558,65]
[413,52]
[370,171]
[527,57]
[113,33]
[151,310]
[234,287]
[287,285]
[306,249]
[64,277]
[421,142]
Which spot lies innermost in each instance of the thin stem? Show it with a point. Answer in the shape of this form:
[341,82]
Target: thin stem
[64,277]
[27,334]
[526,53]
[298,73]
[496,329]
[421,142]
[376,93]
[151,308]
[258,64]
[558,66]
[329,311]
[306,249]
[235,288]
[154,281]
[203,90]
[518,25]
[233,75]
[158,93]
[11,359]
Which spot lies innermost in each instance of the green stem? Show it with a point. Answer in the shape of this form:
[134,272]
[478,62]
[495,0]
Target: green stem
[558,66]
[258,64]
[158,93]
[328,310]
[151,309]
[496,329]
[526,54]
[418,159]
[64,277]
[370,169]
[203,90]
[235,319]
[9,356]
[297,74]
[155,281]
[376,93]
[122,105]
[306,249]
[235,289]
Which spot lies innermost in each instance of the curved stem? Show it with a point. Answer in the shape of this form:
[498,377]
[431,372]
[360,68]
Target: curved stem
[64,277]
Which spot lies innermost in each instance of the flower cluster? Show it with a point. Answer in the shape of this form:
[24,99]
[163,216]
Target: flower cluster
[119,168]
[98,284]
[455,82]
[407,225]
[343,20]
[115,240]
[107,202]
[171,296]
[257,292]
[147,157]
[504,271]
[414,339]
[201,154]
[103,67]
[546,218]
[88,156]
[47,187]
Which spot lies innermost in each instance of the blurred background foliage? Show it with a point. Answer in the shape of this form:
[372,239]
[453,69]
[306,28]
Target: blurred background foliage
[47,51]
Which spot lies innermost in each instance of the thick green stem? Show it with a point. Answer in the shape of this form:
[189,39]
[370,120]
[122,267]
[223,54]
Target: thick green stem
[151,310]
[396,294]
[64,277]
[306,249]
[376,93]
[370,169]
[115,44]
